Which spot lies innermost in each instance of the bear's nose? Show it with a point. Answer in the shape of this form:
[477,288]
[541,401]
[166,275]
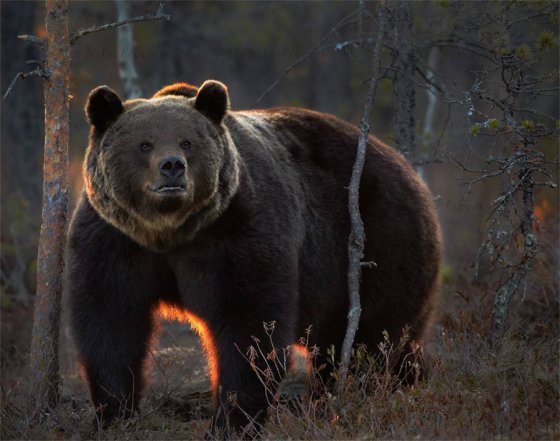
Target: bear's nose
[172,167]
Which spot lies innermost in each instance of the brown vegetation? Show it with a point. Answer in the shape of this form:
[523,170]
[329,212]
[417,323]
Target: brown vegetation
[474,390]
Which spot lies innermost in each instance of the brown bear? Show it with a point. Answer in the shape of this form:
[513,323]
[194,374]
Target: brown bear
[231,219]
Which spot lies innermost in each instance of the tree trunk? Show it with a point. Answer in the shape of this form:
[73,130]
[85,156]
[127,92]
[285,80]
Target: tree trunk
[125,53]
[44,370]
[428,135]
[505,293]
[404,93]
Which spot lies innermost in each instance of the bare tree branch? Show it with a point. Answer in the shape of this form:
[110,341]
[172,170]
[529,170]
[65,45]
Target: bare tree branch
[157,15]
[356,241]
[32,39]
[318,48]
[37,72]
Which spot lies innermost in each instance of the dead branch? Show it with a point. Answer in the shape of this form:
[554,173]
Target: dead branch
[32,39]
[356,240]
[157,15]
[314,50]
[37,72]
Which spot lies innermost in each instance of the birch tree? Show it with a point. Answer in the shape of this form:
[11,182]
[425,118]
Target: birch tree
[125,53]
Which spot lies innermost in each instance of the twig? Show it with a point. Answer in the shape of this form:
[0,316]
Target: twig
[12,84]
[356,239]
[32,39]
[37,72]
[427,161]
[477,50]
[157,15]
[319,47]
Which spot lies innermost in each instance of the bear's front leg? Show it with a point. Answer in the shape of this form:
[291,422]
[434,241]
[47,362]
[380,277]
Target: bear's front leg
[245,385]
[112,285]
[244,320]
[113,340]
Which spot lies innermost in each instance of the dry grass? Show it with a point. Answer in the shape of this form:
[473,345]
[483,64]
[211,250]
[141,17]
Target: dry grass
[474,390]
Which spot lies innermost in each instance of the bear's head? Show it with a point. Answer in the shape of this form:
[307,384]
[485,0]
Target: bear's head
[160,169]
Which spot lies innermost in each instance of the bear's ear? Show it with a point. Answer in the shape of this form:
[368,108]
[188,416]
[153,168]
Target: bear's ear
[212,100]
[180,89]
[103,106]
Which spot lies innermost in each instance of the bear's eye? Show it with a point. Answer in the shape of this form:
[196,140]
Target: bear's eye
[146,146]
[185,145]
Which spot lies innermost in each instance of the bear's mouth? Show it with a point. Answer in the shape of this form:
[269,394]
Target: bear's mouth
[169,189]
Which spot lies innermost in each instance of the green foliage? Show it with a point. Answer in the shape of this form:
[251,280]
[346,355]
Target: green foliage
[546,40]
[474,129]
[528,124]
[523,52]
[493,123]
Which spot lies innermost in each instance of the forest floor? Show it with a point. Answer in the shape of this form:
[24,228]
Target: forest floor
[474,391]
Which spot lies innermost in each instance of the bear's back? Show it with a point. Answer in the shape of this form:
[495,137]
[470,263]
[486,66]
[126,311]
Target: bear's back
[309,138]
[299,156]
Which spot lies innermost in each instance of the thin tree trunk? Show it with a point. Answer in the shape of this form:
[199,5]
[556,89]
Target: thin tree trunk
[404,93]
[44,370]
[429,118]
[356,241]
[125,49]
[505,293]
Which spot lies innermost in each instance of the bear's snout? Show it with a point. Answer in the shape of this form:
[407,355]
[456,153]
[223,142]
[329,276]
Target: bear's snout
[172,167]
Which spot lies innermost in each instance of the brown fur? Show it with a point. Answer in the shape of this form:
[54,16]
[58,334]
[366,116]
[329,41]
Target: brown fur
[181,89]
[252,228]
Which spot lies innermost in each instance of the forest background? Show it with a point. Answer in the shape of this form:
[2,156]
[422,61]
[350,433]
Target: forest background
[468,92]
